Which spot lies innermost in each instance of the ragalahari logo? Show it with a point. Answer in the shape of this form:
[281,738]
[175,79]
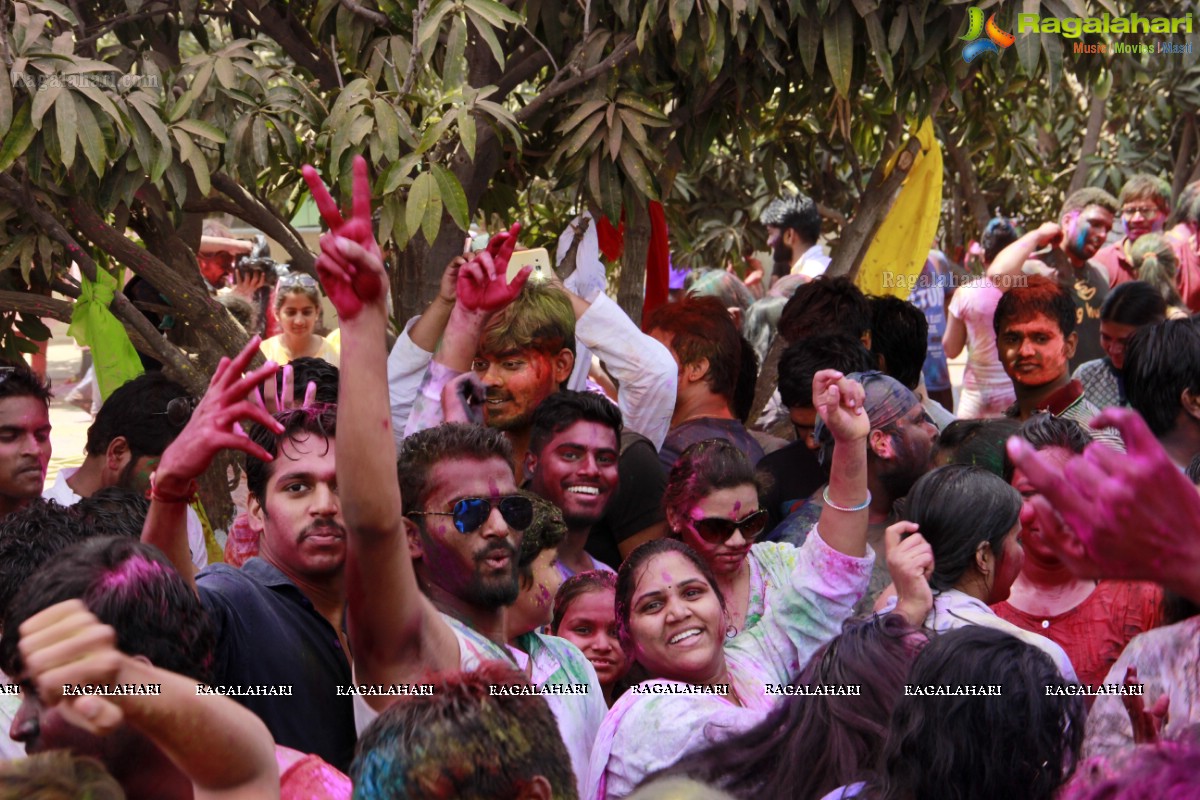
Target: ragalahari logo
[996,40]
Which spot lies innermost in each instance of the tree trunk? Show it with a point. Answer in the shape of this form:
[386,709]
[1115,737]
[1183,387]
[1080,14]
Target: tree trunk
[1091,140]
[970,188]
[631,293]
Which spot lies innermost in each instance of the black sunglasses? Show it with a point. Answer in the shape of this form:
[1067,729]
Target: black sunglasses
[718,529]
[471,512]
[179,411]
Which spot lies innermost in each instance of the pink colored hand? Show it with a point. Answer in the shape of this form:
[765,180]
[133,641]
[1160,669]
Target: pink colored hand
[839,401]
[213,427]
[483,281]
[351,264]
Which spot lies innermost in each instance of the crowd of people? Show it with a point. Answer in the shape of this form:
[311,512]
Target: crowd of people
[529,549]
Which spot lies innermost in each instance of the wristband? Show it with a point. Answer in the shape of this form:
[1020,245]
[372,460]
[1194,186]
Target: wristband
[188,497]
[830,503]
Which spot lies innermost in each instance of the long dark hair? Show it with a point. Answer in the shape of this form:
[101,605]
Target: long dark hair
[956,508]
[809,746]
[1022,743]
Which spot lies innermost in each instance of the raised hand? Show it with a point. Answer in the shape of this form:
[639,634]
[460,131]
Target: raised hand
[1147,724]
[351,264]
[284,397]
[1107,514]
[462,399]
[483,281]
[66,645]
[213,426]
[1049,233]
[839,401]
[910,562]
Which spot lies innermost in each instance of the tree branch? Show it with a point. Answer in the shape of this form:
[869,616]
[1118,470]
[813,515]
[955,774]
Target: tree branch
[258,214]
[561,85]
[414,55]
[36,305]
[374,17]
[296,42]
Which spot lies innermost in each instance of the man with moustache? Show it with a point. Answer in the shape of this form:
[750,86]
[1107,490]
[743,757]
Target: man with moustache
[572,462]
[1036,338]
[445,518]
[1064,251]
[24,435]
[278,619]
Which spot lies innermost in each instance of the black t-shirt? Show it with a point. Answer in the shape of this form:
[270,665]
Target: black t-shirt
[685,434]
[1087,286]
[269,634]
[794,474]
[637,504]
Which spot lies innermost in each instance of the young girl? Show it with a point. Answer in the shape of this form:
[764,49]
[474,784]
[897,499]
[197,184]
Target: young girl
[673,620]
[298,306]
[585,615]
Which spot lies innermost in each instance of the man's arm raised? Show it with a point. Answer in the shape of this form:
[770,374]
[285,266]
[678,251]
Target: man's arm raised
[843,522]
[213,427]
[1011,260]
[395,632]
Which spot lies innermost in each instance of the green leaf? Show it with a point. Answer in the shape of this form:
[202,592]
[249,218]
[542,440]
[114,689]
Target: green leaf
[454,64]
[453,196]
[6,106]
[388,128]
[202,129]
[467,132]
[879,45]
[57,9]
[808,39]
[91,137]
[838,37]
[635,168]
[432,23]
[614,136]
[488,34]
[261,140]
[396,175]
[226,74]
[43,99]
[897,30]
[679,12]
[576,142]
[494,12]
[20,134]
[149,115]
[102,100]
[33,328]
[418,200]
[1029,46]
[585,110]
[200,170]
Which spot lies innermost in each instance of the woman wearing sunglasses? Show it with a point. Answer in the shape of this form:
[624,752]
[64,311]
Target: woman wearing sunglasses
[298,307]
[711,502]
[675,622]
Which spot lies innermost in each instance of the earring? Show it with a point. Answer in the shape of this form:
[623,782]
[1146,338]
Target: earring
[731,632]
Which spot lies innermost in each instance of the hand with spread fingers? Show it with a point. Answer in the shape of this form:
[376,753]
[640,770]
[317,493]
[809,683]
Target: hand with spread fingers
[1108,514]
[66,646]
[839,401]
[483,280]
[910,562]
[351,264]
[232,397]
[284,397]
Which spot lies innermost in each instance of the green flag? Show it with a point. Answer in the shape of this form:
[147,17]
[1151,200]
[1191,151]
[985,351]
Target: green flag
[93,325]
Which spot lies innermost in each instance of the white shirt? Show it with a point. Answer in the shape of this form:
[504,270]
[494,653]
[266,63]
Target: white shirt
[812,262]
[64,495]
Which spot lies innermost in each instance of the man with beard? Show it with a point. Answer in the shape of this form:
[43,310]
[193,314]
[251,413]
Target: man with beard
[1063,252]
[1035,336]
[445,518]
[572,462]
[899,451]
[279,619]
[793,226]
[1145,202]
[124,444]
[24,435]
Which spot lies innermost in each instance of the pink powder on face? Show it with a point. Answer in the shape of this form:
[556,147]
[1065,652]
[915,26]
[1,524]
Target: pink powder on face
[737,506]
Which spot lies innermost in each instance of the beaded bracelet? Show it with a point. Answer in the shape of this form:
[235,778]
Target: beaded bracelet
[836,507]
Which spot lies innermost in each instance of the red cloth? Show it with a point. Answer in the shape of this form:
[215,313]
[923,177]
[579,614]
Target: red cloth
[1112,257]
[658,257]
[1184,240]
[242,543]
[1095,632]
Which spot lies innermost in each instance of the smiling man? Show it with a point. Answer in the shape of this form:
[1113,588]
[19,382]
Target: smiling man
[1145,202]
[1065,252]
[24,435]
[572,461]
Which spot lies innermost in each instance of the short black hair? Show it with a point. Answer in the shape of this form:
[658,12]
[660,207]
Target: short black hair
[976,443]
[1134,303]
[316,370]
[1040,295]
[900,337]
[563,409]
[998,234]
[130,586]
[798,212]
[114,511]
[1161,361]
[317,420]
[29,537]
[463,740]
[802,360]
[424,450]
[825,305]
[18,380]
[1044,430]
[701,328]
[137,410]
[747,382]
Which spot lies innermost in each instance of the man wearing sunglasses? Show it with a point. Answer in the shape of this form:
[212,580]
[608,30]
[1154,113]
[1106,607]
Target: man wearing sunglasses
[572,462]
[24,435]
[1145,202]
[135,425]
[446,519]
